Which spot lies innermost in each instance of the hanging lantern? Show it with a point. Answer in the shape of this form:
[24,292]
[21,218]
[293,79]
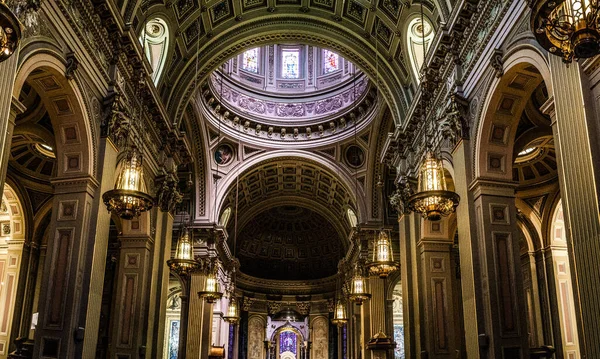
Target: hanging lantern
[233,311]
[211,288]
[339,315]
[567,28]
[10,32]
[183,262]
[383,256]
[358,289]
[128,200]
[432,199]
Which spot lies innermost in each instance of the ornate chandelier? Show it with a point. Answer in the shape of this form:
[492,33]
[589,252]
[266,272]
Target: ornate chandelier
[10,32]
[358,288]
[432,199]
[128,200]
[233,311]
[567,28]
[211,291]
[339,314]
[183,262]
[383,257]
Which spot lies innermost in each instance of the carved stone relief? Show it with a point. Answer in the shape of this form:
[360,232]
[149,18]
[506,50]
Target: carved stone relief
[256,337]
[320,338]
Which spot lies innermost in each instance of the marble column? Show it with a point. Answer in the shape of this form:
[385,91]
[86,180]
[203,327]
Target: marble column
[468,245]
[99,228]
[409,236]
[159,285]
[9,108]
[436,274]
[200,320]
[59,333]
[131,300]
[505,324]
[574,125]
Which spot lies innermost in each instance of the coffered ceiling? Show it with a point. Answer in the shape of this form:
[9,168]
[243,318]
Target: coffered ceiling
[356,29]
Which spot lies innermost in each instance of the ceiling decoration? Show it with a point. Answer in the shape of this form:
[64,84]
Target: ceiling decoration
[307,183]
[225,29]
[289,242]
[32,151]
[288,70]
[536,163]
[278,122]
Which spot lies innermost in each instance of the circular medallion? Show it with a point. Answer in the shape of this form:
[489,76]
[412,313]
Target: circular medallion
[355,156]
[223,154]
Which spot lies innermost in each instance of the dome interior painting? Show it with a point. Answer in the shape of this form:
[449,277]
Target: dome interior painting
[251,96]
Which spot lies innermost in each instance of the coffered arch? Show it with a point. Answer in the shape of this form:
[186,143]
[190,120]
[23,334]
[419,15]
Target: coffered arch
[280,173]
[506,101]
[218,30]
[285,29]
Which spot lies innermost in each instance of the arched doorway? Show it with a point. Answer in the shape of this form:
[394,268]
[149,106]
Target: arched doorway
[12,239]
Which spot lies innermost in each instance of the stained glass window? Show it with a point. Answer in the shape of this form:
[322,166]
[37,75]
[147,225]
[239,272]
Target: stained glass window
[398,322]
[173,339]
[290,64]
[331,61]
[287,342]
[250,60]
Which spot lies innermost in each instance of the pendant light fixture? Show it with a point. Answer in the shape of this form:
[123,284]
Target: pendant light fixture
[383,255]
[432,199]
[359,292]
[128,199]
[382,263]
[340,318]
[567,28]
[233,309]
[10,32]
[183,262]
[211,292]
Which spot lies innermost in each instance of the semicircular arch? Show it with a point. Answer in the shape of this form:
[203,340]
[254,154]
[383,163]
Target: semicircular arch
[360,50]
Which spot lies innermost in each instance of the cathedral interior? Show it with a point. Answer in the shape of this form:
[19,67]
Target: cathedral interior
[300,179]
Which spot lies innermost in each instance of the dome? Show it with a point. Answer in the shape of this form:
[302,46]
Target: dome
[288,93]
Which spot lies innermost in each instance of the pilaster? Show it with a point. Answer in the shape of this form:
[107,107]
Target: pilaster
[436,285]
[130,324]
[505,324]
[59,333]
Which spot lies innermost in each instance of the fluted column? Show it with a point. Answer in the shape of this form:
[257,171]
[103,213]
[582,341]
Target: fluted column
[199,322]
[436,273]
[9,108]
[574,125]
[60,333]
[377,305]
[159,285]
[409,236]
